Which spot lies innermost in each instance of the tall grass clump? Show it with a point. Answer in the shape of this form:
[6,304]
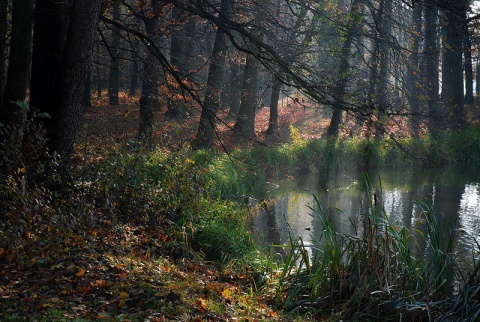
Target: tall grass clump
[219,233]
[374,274]
[154,187]
[142,186]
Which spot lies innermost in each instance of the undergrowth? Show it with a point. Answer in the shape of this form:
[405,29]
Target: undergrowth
[199,199]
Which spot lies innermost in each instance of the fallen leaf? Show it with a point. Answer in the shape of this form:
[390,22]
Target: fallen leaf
[123,295]
[85,289]
[81,272]
[201,305]
[227,293]
[101,315]
[100,283]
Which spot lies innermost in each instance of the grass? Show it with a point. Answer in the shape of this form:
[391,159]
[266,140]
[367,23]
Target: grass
[243,171]
[375,274]
[135,237]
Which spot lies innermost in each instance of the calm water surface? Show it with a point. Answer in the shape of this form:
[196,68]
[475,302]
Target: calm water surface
[455,196]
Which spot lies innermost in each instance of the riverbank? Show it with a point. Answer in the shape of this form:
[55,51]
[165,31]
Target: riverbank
[161,236]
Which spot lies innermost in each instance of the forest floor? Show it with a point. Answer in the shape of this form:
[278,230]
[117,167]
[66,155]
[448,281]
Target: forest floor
[134,273]
[129,274]
[120,124]
[105,125]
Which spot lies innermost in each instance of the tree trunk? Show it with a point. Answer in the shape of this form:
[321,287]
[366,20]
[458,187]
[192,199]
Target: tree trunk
[19,61]
[468,65]
[149,99]
[190,55]
[175,104]
[414,68]
[452,69]
[3,40]
[50,31]
[236,78]
[431,67]
[68,73]
[342,81]
[245,124]
[133,79]
[382,95]
[87,90]
[113,82]
[273,118]
[98,76]
[206,128]
[477,77]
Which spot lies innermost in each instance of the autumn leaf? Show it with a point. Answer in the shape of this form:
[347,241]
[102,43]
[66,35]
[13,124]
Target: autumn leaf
[123,296]
[121,304]
[119,265]
[85,289]
[81,272]
[227,293]
[162,237]
[201,305]
[273,314]
[100,283]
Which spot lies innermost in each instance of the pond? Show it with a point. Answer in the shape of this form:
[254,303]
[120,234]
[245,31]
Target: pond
[290,203]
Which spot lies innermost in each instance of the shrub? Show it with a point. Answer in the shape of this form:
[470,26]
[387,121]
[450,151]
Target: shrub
[30,201]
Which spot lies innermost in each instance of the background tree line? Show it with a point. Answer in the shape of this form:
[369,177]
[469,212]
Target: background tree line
[377,61]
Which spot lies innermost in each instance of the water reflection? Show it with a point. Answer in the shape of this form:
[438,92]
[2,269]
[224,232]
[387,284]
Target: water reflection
[453,194]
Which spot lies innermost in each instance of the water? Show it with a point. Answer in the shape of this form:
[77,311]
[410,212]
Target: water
[290,203]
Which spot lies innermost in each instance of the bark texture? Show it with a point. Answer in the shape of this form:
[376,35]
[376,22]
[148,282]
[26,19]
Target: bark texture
[67,72]
[19,61]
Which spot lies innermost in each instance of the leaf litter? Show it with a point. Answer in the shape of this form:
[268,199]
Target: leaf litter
[121,274]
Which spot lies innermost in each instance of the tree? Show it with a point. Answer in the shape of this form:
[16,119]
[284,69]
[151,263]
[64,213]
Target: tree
[432,65]
[236,62]
[413,85]
[149,99]
[206,128]
[385,27]
[452,67]
[245,124]
[273,117]
[477,77]
[3,41]
[19,61]
[113,82]
[133,77]
[339,90]
[467,53]
[87,89]
[176,106]
[67,57]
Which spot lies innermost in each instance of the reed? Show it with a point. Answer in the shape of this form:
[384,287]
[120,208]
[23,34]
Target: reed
[375,273]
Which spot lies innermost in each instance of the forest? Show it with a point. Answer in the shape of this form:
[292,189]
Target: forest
[145,146]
